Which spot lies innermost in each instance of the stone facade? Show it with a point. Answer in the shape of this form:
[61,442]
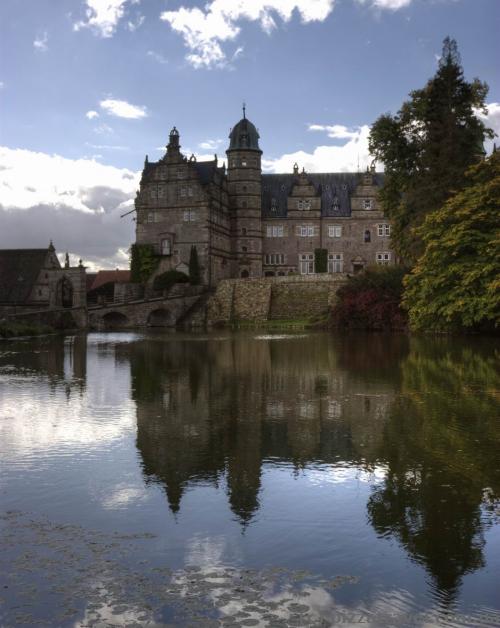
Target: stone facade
[33,279]
[273,298]
[244,223]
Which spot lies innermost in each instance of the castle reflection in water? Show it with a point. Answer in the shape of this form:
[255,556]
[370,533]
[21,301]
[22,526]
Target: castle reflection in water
[217,409]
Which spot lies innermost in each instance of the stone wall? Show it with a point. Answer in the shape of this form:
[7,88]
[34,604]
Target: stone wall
[271,298]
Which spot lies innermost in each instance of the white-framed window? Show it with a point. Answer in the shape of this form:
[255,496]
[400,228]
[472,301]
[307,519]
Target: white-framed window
[383,258]
[384,230]
[305,231]
[151,216]
[334,231]
[275,258]
[335,262]
[367,203]
[274,231]
[166,246]
[306,263]
[189,215]
[303,204]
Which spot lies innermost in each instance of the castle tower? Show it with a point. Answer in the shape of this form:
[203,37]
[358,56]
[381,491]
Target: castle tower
[244,187]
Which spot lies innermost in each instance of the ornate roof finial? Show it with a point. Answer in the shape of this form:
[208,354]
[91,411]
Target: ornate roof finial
[244,110]
[51,246]
[295,168]
[66,260]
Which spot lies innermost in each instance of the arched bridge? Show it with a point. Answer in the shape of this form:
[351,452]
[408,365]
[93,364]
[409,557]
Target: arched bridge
[156,312]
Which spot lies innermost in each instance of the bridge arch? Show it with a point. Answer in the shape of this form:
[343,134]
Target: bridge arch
[115,320]
[160,317]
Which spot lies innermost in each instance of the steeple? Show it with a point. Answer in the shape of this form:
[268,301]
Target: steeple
[173,140]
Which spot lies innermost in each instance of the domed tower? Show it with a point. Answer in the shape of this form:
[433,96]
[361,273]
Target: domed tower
[244,187]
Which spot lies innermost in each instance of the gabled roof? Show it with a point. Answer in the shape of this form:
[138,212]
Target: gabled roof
[335,189]
[19,270]
[109,276]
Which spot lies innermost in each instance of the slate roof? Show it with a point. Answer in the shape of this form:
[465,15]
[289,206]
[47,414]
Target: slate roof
[19,270]
[335,189]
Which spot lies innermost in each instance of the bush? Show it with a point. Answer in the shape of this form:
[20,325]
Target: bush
[166,280]
[371,300]
[143,262]
[194,267]
[14,329]
[320,260]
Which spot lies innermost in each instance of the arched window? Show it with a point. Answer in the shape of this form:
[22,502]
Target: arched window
[368,236]
[245,274]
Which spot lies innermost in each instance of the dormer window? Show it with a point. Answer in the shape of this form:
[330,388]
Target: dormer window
[303,204]
[367,203]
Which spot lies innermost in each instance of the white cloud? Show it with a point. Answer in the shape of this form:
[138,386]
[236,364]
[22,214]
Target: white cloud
[157,57]
[388,5]
[102,16]
[41,41]
[492,120]
[103,129]
[133,26]
[210,144]
[204,30]
[77,202]
[343,158]
[91,115]
[335,131]
[123,109]
[2,84]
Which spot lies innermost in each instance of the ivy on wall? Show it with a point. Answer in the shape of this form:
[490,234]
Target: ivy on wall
[320,260]
[143,262]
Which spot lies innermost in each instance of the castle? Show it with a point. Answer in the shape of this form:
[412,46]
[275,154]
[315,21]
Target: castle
[244,223]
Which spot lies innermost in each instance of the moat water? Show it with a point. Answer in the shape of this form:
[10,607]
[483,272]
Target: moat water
[249,479]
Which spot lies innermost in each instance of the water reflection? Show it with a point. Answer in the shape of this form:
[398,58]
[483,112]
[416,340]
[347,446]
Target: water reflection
[441,442]
[418,419]
[425,412]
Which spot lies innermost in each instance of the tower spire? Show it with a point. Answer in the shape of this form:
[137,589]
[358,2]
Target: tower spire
[244,110]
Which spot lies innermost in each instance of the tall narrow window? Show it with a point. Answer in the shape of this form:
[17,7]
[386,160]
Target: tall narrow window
[368,236]
[306,263]
[335,262]
[334,231]
[166,247]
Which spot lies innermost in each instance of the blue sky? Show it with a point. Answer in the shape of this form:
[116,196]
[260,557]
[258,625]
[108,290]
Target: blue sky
[88,87]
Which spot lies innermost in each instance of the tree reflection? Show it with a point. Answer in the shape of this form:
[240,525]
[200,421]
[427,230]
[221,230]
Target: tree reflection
[441,444]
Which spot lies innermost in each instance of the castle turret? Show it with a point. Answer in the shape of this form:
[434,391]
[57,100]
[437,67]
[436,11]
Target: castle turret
[244,187]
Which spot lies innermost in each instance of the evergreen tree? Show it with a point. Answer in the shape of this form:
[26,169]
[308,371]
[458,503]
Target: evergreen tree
[427,147]
[194,266]
[456,282]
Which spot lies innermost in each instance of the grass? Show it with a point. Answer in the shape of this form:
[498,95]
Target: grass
[16,329]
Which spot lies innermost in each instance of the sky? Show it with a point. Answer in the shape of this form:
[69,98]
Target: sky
[89,87]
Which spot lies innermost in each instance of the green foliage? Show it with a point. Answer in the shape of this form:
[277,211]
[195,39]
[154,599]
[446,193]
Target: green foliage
[166,280]
[456,283]
[427,147]
[320,260]
[194,266]
[21,328]
[371,300]
[143,262]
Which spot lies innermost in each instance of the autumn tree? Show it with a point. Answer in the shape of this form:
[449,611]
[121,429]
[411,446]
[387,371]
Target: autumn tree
[427,146]
[456,282]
